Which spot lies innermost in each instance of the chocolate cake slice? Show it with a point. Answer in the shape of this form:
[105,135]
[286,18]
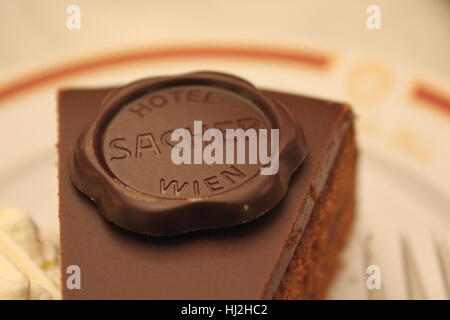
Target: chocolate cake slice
[288,252]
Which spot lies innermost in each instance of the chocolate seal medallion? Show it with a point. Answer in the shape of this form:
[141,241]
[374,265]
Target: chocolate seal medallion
[170,155]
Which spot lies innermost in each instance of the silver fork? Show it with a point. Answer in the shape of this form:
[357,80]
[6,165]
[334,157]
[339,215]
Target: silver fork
[415,286]
[444,261]
[416,289]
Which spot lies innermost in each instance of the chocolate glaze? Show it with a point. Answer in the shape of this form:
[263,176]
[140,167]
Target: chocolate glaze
[123,161]
[241,262]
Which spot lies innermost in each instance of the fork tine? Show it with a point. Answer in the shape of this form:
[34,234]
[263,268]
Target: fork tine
[414,282]
[444,261]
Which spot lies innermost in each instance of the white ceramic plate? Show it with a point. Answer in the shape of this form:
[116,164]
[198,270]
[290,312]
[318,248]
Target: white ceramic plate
[403,131]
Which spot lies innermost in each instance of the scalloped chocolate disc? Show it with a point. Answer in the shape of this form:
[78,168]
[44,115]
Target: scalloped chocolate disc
[125,161]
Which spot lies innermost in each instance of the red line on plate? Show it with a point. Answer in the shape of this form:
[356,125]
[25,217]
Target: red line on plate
[290,56]
[426,94]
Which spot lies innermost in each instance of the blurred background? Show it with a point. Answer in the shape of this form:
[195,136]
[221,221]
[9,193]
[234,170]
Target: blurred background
[34,31]
[390,59]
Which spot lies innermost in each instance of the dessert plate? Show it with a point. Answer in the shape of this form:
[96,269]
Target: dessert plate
[403,129]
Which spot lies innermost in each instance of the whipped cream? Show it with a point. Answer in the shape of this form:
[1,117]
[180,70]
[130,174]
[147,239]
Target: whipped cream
[29,266]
